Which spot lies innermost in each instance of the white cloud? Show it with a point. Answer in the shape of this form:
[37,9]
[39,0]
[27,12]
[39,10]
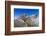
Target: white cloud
[15,17]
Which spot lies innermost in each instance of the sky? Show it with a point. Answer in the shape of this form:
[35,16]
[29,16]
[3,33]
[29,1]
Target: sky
[20,11]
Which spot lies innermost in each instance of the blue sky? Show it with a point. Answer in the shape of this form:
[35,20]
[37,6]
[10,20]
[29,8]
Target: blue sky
[19,11]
